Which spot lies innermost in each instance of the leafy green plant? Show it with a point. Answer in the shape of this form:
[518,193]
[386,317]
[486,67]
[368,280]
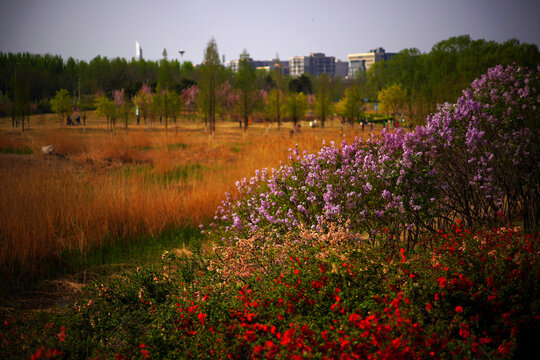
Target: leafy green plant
[179,146]
[24,151]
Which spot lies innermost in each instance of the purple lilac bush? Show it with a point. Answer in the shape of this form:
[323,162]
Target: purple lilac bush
[364,184]
[486,147]
[476,160]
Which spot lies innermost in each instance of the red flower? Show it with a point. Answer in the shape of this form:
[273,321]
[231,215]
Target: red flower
[344,342]
[287,336]
[36,355]
[464,331]
[144,352]
[324,334]
[250,335]
[459,309]
[62,334]
[485,340]
[442,281]
[504,348]
[403,258]
[428,306]
[201,317]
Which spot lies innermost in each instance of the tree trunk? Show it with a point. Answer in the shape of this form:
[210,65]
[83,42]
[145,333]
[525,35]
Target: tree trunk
[166,114]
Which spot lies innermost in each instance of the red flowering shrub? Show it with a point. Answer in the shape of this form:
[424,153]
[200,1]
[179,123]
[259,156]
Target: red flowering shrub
[462,294]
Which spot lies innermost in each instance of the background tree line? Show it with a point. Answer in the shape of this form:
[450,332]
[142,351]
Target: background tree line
[438,76]
[411,82]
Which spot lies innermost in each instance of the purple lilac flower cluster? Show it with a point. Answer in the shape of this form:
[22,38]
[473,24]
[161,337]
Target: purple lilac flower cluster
[472,160]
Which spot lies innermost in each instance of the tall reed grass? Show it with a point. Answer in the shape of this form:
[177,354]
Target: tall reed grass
[84,197]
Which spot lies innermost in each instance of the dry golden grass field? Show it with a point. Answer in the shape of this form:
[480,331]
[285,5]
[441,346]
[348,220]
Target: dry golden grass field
[124,184]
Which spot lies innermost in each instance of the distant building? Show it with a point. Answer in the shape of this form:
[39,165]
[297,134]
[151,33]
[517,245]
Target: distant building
[138,51]
[342,68]
[282,66]
[363,61]
[298,65]
[314,64]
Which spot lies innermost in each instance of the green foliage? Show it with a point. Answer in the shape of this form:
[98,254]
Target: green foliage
[211,76]
[159,102]
[143,101]
[128,253]
[61,103]
[24,151]
[105,107]
[175,104]
[440,75]
[323,98]
[245,83]
[178,146]
[275,105]
[349,107]
[174,175]
[393,98]
[6,105]
[301,84]
[296,106]
[123,106]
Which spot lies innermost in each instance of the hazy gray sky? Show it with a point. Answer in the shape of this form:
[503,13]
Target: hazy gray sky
[84,29]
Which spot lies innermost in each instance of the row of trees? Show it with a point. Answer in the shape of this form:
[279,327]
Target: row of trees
[247,95]
[439,76]
[410,82]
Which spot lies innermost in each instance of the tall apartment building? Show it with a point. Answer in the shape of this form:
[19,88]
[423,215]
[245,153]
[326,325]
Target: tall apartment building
[363,61]
[314,64]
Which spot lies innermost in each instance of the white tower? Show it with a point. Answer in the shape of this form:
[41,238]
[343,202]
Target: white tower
[138,51]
